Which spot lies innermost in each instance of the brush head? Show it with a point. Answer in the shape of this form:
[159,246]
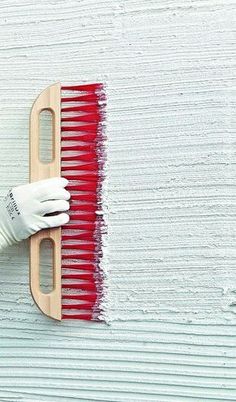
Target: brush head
[82,163]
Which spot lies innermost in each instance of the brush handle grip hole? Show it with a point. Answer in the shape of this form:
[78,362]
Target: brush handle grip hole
[46,129]
[46,266]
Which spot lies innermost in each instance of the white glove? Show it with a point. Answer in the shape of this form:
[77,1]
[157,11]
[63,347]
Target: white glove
[23,211]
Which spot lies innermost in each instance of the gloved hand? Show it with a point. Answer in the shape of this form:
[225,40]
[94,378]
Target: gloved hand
[23,210]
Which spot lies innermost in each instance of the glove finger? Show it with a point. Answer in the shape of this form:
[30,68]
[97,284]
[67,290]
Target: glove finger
[56,220]
[40,189]
[49,183]
[54,194]
[48,207]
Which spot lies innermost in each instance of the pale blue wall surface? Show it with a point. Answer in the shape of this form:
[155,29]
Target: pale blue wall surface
[170,70]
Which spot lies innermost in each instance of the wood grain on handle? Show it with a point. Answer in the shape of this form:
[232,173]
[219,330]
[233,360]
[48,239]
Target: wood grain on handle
[49,99]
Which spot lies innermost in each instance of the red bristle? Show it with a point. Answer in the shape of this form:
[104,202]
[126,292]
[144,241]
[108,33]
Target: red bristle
[88,166]
[90,247]
[81,306]
[83,177]
[84,157]
[82,108]
[83,207]
[76,177]
[92,297]
[90,227]
[82,236]
[83,187]
[81,148]
[86,317]
[80,137]
[90,287]
[82,164]
[84,197]
[83,217]
[83,257]
[84,267]
[90,117]
[88,128]
[81,98]
[84,87]
[84,277]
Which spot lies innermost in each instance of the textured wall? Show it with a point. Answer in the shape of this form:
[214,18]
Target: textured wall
[170,70]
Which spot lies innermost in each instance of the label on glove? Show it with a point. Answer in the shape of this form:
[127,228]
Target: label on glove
[11,205]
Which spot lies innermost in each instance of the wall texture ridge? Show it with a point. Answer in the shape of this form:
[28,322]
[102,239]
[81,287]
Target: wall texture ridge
[169,66]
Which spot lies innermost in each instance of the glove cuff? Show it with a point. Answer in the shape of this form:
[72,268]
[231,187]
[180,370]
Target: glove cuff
[7,237]
[4,240]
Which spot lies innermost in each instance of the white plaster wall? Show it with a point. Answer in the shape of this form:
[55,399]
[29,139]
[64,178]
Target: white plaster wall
[170,70]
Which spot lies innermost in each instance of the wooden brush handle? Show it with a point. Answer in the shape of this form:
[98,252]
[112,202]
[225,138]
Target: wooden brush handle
[49,99]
